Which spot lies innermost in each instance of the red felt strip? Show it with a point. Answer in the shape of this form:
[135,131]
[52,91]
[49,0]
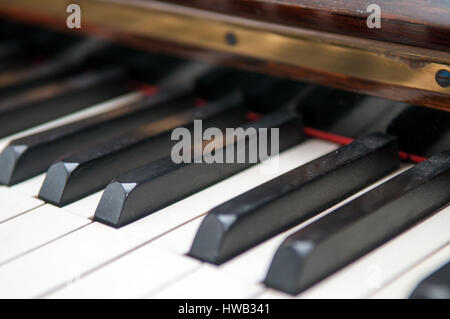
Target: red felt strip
[145,88]
[343,140]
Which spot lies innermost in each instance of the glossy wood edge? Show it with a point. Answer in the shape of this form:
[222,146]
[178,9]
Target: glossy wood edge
[391,71]
[411,22]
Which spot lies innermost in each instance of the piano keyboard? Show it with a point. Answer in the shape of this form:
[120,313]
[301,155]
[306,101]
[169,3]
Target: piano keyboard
[92,206]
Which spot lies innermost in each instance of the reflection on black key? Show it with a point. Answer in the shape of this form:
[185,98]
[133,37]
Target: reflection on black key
[33,154]
[356,228]
[436,286]
[66,62]
[52,101]
[283,202]
[161,183]
[91,169]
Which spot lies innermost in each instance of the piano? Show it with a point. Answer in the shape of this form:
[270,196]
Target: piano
[99,198]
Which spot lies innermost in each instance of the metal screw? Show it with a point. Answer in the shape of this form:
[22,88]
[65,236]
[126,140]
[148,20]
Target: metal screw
[443,78]
[231,38]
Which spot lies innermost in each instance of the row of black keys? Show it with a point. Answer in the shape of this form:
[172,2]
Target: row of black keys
[140,158]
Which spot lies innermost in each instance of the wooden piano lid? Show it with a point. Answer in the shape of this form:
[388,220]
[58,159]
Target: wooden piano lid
[411,22]
[321,41]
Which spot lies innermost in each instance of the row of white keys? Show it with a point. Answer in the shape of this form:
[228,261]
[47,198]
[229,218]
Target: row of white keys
[251,266]
[25,222]
[143,271]
[62,262]
[36,224]
[186,260]
[170,218]
[156,273]
[15,203]
[403,286]
[179,241]
[208,282]
[381,266]
[35,228]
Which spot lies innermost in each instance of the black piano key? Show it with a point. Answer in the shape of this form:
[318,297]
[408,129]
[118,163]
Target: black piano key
[297,195]
[163,182]
[356,228]
[346,113]
[435,286]
[28,156]
[10,30]
[62,64]
[221,81]
[55,100]
[323,106]
[31,43]
[10,49]
[288,94]
[18,53]
[422,131]
[89,170]
[141,66]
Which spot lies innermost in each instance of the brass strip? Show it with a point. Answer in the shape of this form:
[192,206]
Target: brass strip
[160,22]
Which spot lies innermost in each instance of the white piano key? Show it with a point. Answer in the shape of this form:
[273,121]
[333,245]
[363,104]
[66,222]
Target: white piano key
[30,186]
[209,283]
[179,240]
[82,114]
[375,270]
[404,285]
[86,206]
[62,262]
[273,294]
[35,228]
[15,203]
[140,272]
[198,204]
